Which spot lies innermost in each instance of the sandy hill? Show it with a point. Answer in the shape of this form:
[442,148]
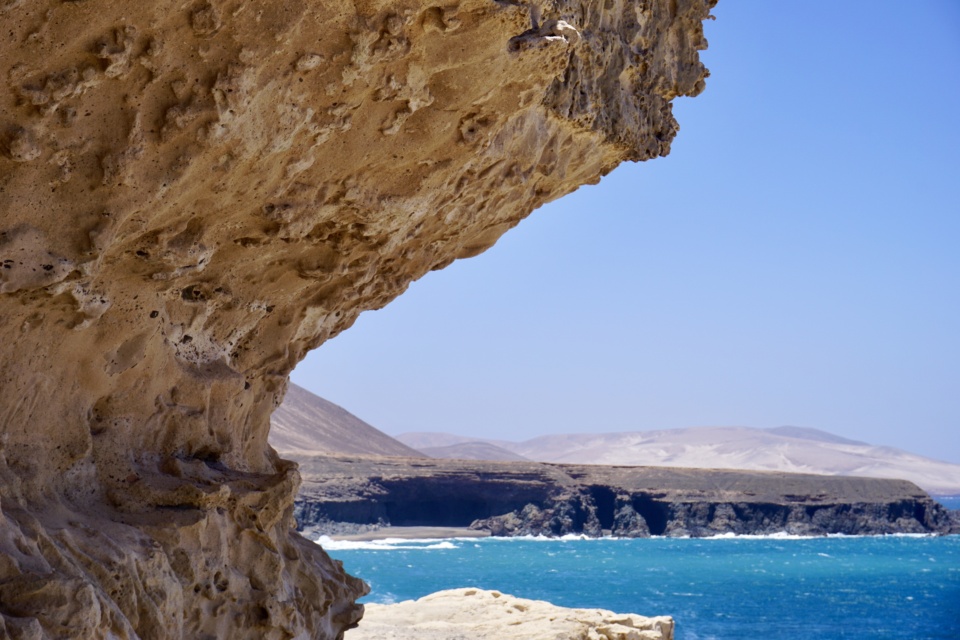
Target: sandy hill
[307,424]
[454,447]
[792,449]
[472,450]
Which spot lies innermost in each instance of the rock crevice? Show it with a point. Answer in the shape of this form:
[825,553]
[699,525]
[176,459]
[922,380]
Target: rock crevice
[193,196]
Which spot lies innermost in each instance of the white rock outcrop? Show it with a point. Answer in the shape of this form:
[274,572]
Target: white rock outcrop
[475,614]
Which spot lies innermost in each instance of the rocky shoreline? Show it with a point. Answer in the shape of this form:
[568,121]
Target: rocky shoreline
[352,495]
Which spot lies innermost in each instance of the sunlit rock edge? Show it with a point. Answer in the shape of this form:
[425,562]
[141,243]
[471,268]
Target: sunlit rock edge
[490,615]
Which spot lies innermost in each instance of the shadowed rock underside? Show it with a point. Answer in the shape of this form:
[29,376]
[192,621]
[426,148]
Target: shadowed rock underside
[195,194]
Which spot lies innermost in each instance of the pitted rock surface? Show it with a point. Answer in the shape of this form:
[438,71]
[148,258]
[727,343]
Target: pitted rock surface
[195,194]
[476,614]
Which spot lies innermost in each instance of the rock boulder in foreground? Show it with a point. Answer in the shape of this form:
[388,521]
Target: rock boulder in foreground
[491,615]
[193,195]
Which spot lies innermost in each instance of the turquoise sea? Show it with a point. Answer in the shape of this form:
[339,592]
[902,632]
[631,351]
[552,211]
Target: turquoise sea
[726,588]
[950,502]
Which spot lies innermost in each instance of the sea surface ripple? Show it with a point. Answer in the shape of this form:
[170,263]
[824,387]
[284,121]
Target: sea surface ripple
[724,588]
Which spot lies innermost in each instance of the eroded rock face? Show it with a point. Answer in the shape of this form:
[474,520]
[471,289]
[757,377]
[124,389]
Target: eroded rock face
[195,194]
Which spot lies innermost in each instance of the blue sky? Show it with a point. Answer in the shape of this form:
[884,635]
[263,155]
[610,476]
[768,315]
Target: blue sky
[794,261]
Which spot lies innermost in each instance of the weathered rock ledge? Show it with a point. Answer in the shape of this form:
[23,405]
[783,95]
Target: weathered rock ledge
[194,194]
[529,498]
[491,615]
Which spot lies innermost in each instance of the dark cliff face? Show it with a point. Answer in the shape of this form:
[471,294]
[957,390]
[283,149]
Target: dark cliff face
[510,499]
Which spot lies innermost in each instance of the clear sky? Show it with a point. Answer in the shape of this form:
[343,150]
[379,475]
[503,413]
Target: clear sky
[794,261]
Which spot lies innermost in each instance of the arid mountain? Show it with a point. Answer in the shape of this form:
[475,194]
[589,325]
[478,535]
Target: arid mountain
[472,450]
[792,449]
[454,447]
[306,424]
[309,425]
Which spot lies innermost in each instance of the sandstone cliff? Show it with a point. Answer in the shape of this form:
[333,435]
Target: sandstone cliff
[193,194]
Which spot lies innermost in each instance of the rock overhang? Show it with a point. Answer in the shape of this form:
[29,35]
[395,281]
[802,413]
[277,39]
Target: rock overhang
[194,195]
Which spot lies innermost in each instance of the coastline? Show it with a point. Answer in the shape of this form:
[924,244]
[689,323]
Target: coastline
[389,536]
[349,496]
[409,533]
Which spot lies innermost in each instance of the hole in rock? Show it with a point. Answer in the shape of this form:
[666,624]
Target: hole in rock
[655,513]
[605,501]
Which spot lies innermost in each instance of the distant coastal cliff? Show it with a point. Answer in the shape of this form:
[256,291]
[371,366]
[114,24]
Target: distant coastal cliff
[526,498]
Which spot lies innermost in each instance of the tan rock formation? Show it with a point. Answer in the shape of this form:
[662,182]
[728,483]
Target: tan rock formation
[193,194]
[491,615]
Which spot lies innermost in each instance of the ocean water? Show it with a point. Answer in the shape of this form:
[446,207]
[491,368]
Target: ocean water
[950,502]
[729,588]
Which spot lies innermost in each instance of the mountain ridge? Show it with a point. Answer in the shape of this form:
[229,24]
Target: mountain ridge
[305,423]
[790,449]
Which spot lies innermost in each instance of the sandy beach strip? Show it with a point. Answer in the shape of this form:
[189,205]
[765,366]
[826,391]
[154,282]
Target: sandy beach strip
[413,533]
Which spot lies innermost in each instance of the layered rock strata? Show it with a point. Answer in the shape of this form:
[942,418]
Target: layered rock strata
[530,498]
[194,194]
[491,615]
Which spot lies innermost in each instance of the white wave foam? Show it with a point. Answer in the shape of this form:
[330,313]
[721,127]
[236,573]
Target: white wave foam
[783,535]
[542,538]
[386,544]
[779,535]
